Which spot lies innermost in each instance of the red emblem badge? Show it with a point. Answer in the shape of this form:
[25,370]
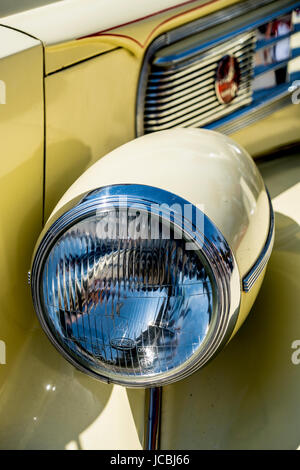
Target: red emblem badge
[228,79]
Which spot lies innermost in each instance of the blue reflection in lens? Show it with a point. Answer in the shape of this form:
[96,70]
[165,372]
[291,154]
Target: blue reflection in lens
[133,305]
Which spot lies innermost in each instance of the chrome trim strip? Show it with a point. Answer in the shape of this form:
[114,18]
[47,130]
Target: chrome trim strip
[262,69]
[246,117]
[153,419]
[256,270]
[206,63]
[225,15]
[177,61]
[265,43]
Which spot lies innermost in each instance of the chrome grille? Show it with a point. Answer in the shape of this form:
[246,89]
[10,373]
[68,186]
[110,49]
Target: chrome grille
[183,94]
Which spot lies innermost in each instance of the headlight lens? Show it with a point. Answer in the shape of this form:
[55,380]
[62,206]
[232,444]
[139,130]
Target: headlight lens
[131,291]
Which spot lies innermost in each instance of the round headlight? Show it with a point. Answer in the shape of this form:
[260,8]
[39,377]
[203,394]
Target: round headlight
[134,285]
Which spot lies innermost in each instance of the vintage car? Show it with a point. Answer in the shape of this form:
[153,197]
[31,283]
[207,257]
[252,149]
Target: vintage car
[137,229]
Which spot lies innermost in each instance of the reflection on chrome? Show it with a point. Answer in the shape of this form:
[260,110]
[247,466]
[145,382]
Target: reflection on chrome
[273,48]
[135,310]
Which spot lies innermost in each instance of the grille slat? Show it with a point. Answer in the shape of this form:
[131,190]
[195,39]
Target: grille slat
[202,118]
[169,98]
[170,95]
[189,119]
[193,78]
[168,101]
[192,103]
[184,95]
[157,77]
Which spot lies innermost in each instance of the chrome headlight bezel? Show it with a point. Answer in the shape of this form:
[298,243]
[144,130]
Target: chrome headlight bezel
[211,242]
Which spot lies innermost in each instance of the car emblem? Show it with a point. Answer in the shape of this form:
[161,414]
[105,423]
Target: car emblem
[227,79]
[123,344]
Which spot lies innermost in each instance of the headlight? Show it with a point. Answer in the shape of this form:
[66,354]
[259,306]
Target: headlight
[134,284]
[128,288]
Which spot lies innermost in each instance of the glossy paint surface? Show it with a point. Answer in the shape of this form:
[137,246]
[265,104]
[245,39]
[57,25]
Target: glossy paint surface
[39,392]
[247,398]
[47,404]
[82,124]
[82,118]
[73,30]
[47,20]
[21,199]
[272,132]
[203,167]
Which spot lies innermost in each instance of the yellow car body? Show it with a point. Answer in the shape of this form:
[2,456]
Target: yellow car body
[69,76]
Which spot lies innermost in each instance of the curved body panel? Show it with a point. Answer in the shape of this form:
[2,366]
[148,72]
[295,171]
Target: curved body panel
[47,21]
[247,398]
[21,124]
[40,393]
[73,31]
[44,401]
[205,168]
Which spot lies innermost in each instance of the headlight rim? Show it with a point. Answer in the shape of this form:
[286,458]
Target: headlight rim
[225,271]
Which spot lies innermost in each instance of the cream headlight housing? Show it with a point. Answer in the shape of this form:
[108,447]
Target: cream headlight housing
[132,282]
